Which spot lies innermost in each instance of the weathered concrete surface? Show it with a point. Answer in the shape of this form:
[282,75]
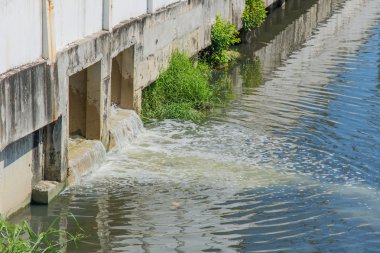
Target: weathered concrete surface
[93,50]
[26,102]
[79,56]
[45,191]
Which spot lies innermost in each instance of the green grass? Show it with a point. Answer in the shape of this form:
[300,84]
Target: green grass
[22,239]
[183,91]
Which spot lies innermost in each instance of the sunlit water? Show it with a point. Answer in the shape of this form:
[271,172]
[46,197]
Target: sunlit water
[290,164]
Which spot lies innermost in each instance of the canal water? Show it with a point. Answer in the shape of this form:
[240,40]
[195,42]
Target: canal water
[289,163]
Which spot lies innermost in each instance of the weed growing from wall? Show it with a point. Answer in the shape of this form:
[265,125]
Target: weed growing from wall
[181,92]
[223,36]
[254,14]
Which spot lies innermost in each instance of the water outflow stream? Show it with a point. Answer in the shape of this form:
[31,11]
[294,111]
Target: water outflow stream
[291,164]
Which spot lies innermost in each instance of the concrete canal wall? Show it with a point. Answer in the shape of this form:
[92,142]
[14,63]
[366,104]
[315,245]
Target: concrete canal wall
[64,63]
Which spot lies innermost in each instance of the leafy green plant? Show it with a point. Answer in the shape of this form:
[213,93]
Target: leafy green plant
[22,239]
[181,92]
[223,36]
[254,14]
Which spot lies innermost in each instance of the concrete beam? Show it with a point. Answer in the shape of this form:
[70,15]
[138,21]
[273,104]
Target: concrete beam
[94,106]
[27,102]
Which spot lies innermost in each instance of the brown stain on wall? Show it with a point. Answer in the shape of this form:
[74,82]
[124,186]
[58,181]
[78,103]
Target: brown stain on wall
[52,49]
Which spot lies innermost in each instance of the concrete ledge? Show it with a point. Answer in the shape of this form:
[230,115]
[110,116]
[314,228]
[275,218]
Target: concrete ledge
[46,191]
[84,156]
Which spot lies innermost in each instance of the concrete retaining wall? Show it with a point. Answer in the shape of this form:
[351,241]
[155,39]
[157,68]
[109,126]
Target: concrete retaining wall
[101,39]
[26,102]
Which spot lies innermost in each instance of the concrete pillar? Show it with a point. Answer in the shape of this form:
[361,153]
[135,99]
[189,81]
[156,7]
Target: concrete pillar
[94,109]
[116,80]
[77,103]
[85,109]
[122,84]
[48,40]
[150,6]
[127,84]
[55,140]
[107,15]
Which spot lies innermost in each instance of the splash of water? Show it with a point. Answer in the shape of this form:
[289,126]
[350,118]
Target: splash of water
[89,155]
[125,126]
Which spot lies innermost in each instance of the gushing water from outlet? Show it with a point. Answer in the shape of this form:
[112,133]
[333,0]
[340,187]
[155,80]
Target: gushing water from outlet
[89,155]
[125,126]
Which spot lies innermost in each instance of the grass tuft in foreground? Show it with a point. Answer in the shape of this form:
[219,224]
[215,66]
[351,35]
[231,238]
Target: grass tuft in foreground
[22,239]
[181,92]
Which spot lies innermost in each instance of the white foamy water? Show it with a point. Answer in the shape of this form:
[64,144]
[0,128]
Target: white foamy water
[125,126]
[87,156]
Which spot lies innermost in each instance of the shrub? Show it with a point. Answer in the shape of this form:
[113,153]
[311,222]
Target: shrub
[254,14]
[181,92]
[21,239]
[223,36]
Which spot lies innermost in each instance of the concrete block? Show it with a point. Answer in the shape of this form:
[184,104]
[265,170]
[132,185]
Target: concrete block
[84,156]
[45,191]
